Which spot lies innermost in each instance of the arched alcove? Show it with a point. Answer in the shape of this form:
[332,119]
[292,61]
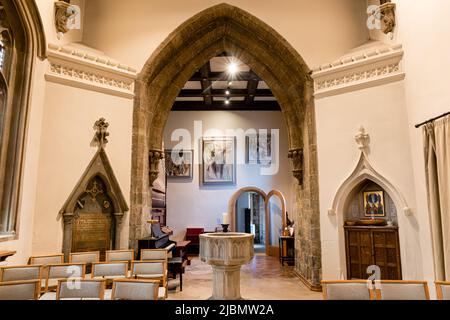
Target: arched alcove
[364,175]
[225,28]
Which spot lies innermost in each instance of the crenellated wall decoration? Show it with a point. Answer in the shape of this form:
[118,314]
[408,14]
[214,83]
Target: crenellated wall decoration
[74,67]
[368,69]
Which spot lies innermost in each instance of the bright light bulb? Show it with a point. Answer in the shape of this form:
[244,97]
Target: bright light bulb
[227,92]
[232,68]
[227,101]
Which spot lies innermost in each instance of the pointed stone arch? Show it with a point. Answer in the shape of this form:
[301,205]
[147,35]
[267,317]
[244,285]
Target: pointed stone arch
[212,31]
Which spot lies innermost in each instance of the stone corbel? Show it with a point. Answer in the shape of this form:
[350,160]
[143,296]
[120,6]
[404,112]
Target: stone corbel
[155,156]
[296,155]
[387,11]
[64,12]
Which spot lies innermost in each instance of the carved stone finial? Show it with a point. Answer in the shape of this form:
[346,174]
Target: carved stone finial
[155,156]
[65,13]
[362,139]
[101,127]
[387,11]
[296,155]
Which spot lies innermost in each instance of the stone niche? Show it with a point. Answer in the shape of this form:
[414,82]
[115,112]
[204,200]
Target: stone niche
[354,206]
[92,214]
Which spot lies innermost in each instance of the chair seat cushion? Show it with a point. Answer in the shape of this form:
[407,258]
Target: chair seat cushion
[48,296]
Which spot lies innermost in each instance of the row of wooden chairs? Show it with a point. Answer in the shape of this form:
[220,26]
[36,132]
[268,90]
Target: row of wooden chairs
[94,256]
[382,290]
[83,289]
[49,270]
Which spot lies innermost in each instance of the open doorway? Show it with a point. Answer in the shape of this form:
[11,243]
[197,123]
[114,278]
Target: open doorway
[250,218]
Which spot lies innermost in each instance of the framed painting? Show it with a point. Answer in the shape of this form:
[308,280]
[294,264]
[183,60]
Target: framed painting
[219,160]
[259,149]
[374,204]
[179,163]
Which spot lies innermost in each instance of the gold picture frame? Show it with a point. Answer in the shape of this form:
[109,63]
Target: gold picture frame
[374,205]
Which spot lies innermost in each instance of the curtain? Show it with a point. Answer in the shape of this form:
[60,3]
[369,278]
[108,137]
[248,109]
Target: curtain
[436,137]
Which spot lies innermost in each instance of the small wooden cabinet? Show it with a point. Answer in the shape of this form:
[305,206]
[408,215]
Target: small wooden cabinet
[367,245]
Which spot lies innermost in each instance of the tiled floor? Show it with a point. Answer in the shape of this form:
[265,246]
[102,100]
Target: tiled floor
[262,279]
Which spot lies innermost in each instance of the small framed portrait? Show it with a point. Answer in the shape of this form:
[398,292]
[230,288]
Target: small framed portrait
[219,161]
[374,204]
[179,163]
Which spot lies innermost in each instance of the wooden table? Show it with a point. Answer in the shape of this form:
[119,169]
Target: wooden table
[287,253]
[6,254]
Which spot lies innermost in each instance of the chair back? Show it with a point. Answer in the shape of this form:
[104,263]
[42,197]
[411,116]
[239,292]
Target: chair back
[47,259]
[110,270]
[20,290]
[347,290]
[20,273]
[132,289]
[80,289]
[120,255]
[149,269]
[154,254]
[65,271]
[84,257]
[443,290]
[401,290]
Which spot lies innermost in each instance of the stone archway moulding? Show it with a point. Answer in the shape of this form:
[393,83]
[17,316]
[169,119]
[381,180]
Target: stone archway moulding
[217,29]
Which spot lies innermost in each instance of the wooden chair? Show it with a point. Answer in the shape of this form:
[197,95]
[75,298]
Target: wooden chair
[154,270]
[443,290]
[84,257]
[401,290]
[20,273]
[154,255]
[20,290]
[120,255]
[82,289]
[132,289]
[56,272]
[45,260]
[347,290]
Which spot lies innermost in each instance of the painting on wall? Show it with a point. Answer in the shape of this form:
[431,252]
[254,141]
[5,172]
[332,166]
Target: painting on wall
[259,149]
[179,163]
[219,160]
[374,204]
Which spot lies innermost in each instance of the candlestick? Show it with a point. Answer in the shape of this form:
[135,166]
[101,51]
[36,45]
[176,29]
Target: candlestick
[225,218]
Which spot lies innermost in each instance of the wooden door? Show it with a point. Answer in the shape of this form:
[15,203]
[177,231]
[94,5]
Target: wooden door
[387,253]
[359,252]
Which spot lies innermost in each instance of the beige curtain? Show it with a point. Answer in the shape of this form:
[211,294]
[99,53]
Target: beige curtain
[436,138]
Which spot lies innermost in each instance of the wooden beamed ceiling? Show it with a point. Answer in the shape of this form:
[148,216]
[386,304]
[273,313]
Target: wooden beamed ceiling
[212,87]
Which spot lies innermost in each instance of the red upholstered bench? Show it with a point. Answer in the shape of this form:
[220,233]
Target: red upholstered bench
[192,234]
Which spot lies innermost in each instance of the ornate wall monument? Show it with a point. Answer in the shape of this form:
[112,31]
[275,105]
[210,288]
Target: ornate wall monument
[93,212]
[227,28]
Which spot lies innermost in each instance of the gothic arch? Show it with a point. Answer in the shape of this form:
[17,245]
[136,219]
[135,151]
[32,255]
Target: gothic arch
[217,29]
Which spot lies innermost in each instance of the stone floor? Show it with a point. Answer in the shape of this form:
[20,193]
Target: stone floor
[263,279]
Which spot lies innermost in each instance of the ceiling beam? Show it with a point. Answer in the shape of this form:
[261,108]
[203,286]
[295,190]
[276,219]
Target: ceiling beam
[221,93]
[252,86]
[220,105]
[223,76]
[206,83]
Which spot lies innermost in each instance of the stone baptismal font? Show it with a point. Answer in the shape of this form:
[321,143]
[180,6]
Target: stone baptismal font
[226,253]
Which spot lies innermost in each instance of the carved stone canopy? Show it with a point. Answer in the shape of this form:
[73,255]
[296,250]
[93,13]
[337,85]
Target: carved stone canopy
[296,155]
[387,11]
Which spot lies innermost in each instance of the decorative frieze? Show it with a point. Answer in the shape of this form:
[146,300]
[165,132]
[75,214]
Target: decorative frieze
[371,68]
[80,69]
